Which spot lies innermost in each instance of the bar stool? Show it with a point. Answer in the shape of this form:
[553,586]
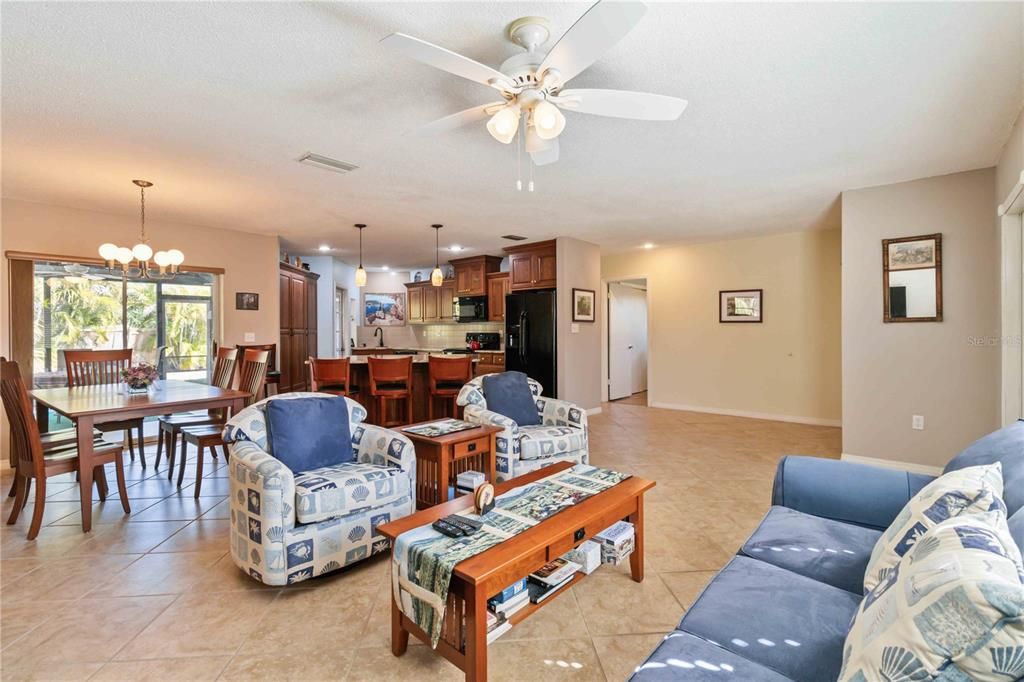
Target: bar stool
[331,375]
[447,377]
[390,380]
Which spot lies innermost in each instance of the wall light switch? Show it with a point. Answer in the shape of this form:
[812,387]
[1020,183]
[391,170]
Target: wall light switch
[917,422]
[250,337]
[574,328]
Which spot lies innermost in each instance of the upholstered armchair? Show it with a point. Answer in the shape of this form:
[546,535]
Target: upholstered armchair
[561,435]
[286,528]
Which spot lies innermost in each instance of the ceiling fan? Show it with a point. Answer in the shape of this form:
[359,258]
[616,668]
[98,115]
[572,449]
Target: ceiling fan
[531,83]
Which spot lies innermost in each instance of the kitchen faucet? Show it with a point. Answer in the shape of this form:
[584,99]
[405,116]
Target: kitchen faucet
[380,342]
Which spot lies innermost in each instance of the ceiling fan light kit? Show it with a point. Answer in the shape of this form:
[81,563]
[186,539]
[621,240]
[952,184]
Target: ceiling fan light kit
[531,82]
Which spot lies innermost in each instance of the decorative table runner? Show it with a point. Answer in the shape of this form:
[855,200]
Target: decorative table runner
[423,559]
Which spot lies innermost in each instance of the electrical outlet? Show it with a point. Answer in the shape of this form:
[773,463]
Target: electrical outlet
[917,422]
[250,337]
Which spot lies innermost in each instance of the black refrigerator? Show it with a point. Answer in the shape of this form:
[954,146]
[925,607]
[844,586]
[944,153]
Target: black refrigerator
[530,337]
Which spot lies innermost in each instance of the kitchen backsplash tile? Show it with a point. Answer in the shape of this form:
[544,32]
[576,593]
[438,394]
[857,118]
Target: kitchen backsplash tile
[427,335]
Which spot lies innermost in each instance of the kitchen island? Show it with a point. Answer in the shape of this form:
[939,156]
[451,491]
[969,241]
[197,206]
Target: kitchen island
[359,376]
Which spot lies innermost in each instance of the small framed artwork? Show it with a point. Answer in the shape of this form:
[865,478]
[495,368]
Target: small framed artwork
[583,305]
[741,305]
[384,309]
[245,300]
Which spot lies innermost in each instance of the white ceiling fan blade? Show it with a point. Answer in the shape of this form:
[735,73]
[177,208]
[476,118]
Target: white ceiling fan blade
[644,106]
[462,118]
[444,59]
[545,156]
[593,34]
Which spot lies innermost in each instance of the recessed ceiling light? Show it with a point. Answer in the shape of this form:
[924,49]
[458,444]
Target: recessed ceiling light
[455,247]
[324,248]
[648,245]
[385,267]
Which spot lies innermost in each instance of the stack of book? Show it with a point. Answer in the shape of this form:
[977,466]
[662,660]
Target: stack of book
[617,542]
[502,605]
[468,481]
[550,578]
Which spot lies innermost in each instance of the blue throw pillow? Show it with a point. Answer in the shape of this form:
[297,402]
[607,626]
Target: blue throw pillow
[1005,446]
[509,394]
[309,433]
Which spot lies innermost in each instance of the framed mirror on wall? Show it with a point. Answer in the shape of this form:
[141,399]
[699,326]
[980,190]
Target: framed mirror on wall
[912,279]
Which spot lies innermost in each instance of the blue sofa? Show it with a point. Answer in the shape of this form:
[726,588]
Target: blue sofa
[781,608]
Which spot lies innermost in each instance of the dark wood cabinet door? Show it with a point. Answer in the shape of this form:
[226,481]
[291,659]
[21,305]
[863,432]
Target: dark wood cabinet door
[464,280]
[297,359]
[297,302]
[497,288]
[544,269]
[446,302]
[284,350]
[284,298]
[429,302]
[520,270]
[415,304]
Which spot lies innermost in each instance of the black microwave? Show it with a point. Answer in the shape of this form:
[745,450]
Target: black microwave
[471,309]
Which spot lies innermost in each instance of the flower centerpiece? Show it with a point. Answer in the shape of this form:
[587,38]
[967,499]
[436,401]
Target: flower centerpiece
[138,378]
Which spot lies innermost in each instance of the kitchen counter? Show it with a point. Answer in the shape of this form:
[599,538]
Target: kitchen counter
[417,359]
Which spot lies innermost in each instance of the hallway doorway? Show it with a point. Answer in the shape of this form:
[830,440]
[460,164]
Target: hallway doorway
[627,340]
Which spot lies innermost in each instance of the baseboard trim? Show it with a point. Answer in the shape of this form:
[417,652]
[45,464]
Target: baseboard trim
[892,464]
[593,410]
[812,421]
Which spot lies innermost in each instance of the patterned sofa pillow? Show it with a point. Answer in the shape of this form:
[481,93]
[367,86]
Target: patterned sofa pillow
[951,610]
[966,491]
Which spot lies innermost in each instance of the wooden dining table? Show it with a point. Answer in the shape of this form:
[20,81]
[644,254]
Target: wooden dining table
[87,406]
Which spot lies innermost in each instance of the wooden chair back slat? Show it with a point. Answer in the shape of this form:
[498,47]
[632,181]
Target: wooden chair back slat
[28,447]
[224,367]
[390,371]
[96,367]
[329,373]
[449,370]
[253,372]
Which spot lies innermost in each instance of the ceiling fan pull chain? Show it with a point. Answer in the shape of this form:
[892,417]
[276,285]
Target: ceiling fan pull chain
[519,160]
[530,185]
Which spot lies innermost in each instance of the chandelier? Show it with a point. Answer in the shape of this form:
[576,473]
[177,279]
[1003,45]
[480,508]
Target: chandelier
[167,262]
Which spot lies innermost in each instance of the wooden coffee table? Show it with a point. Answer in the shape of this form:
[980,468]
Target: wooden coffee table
[439,460]
[464,633]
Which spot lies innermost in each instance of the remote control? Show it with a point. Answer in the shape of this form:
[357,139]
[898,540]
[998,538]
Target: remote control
[472,523]
[446,528]
[461,525]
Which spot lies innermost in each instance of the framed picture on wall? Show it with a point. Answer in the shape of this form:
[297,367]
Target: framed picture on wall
[583,305]
[740,305]
[384,310]
[245,300]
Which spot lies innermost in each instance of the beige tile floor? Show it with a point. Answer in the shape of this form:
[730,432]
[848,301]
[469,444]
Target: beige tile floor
[155,596]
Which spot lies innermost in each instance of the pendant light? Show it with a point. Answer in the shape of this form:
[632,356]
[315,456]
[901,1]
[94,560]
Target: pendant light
[437,277]
[360,272]
[142,252]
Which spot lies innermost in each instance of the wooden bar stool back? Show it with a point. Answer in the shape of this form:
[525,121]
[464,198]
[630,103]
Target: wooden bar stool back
[447,376]
[390,381]
[251,376]
[171,425]
[36,463]
[330,375]
[98,367]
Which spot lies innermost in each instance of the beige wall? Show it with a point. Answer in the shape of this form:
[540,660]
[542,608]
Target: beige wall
[578,353]
[945,370]
[787,367]
[249,260]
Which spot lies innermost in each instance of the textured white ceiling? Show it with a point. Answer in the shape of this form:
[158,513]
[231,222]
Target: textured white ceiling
[789,105]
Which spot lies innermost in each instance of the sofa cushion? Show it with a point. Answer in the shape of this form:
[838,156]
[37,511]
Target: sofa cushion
[508,394]
[952,609]
[681,656]
[309,433]
[537,442]
[789,623]
[1005,446]
[831,552]
[343,489]
[1016,524]
[965,491]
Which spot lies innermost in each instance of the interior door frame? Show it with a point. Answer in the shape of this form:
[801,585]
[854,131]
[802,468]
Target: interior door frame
[651,346]
[1011,213]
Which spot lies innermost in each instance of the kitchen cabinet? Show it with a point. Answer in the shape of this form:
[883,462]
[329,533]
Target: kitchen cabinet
[298,337]
[497,289]
[532,266]
[471,274]
[489,363]
[415,311]
[429,304]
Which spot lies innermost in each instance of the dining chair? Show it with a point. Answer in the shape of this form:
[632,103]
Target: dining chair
[331,375]
[446,377]
[390,381]
[34,462]
[170,426]
[273,377]
[99,367]
[253,372]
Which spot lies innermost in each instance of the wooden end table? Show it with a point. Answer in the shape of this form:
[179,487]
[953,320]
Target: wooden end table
[440,460]
[464,633]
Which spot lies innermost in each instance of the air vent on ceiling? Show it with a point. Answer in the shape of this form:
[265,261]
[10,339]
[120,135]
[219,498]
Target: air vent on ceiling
[513,237]
[327,163]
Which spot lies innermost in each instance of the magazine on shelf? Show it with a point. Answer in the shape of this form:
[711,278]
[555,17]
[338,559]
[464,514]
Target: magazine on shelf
[510,606]
[539,593]
[441,427]
[498,631]
[554,572]
[510,591]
